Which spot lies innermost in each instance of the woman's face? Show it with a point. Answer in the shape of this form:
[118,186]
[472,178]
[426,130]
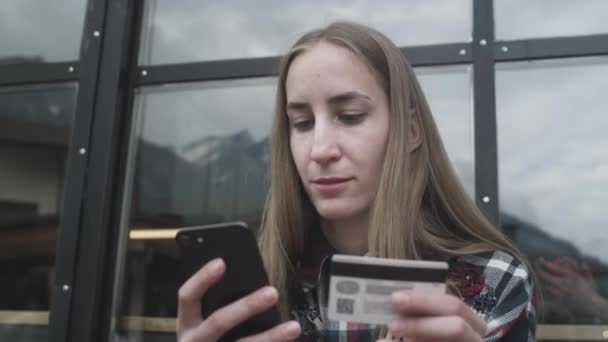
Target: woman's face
[338,117]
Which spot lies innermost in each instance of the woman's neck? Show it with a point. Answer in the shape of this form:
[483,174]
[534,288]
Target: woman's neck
[347,236]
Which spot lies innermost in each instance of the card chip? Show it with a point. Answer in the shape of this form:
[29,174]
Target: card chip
[346,306]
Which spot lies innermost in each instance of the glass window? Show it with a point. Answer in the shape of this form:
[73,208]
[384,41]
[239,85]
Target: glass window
[521,19]
[193,30]
[197,156]
[35,124]
[553,174]
[449,93]
[203,163]
[40,31]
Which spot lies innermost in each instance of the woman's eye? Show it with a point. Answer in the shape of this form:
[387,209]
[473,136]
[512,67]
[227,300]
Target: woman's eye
[303,125]
[351,118]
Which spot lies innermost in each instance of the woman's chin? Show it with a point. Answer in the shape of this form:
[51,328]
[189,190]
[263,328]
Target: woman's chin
[337,212]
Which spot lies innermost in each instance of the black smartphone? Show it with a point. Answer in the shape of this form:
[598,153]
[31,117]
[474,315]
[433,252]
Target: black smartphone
[235,243]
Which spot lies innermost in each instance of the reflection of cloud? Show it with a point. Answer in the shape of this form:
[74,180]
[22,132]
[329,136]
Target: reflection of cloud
[177,115]
[552,147]
[449,93]
[518,19]
[194,30]
[51,29]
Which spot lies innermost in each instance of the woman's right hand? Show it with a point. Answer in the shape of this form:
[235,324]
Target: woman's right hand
[191,327]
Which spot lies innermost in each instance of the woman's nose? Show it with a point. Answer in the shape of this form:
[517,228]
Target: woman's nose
[325,147]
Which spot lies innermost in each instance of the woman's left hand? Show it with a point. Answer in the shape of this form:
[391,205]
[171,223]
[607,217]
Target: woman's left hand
[434,317]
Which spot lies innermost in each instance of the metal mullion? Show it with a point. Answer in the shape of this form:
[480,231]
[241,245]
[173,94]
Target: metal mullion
[436,55]
[29,73]
[484,99]
[90,309]
[562,47]
[117,252]
[457,53]
[73,193]
[444,54]
[205,71]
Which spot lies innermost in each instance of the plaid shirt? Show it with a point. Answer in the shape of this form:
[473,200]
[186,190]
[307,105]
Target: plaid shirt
[495,285]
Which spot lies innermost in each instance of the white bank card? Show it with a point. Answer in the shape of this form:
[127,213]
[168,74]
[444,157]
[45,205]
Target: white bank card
[360,287]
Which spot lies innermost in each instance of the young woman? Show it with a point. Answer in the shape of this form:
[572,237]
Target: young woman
[358,167]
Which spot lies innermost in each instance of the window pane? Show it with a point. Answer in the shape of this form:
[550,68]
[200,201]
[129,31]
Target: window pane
[521,19]
[449,92]
[41,31]
[35,124]
[553,166]
[198,156]
[194,30]
[207,147]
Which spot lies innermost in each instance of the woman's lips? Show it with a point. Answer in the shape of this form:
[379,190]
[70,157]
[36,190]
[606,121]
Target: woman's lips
[330,185]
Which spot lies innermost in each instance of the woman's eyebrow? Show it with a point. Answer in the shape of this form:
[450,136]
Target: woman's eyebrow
[333,100]
[347,97]
[297,106]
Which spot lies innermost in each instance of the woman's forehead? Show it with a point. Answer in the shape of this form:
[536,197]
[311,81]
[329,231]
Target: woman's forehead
[328,69]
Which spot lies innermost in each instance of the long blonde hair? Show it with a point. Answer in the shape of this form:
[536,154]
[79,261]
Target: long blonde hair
[420,205]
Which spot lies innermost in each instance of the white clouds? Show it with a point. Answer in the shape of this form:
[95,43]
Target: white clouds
[552,127]
[48,29]
[193,30]
[180,114]
[518,19]
[449,93]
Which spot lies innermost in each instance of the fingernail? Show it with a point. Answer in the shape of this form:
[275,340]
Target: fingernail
[216,266]
[400,298]
[269,294]
[291,330]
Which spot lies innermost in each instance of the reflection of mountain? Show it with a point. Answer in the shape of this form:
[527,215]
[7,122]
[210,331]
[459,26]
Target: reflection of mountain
[209,180]
[224,177]
[537,243]
[534,241]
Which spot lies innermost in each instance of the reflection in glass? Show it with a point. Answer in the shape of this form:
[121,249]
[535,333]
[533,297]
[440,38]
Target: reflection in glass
[40,31]
[449,92]
[35,124]
[553,174]
[193,30]
[204,162]
[199,155]
[521,19]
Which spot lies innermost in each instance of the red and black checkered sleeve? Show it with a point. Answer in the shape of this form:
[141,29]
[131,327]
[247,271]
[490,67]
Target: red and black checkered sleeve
[513,317]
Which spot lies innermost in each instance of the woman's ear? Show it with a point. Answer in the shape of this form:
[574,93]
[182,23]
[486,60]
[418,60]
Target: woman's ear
[414,133]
